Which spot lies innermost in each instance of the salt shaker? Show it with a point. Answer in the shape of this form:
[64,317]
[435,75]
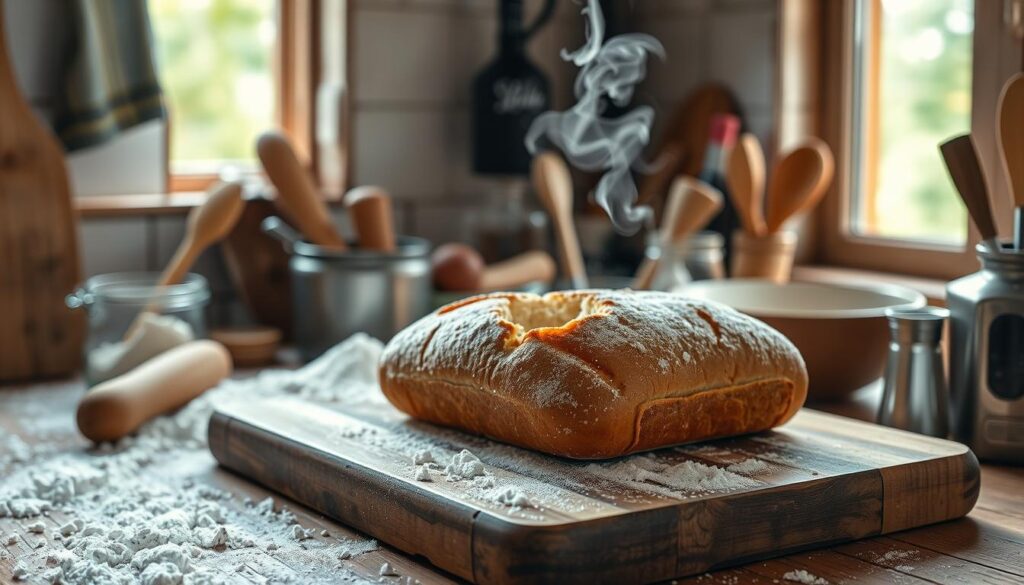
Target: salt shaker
[915,396]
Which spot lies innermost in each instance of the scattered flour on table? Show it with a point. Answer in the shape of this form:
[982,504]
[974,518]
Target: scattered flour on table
[749,467]
[802,576]
[127,518]
[123,526]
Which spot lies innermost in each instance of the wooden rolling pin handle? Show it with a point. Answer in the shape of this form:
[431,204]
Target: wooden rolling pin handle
[297,194]
[644,275]
[371,212]
[512,273]
[119,406]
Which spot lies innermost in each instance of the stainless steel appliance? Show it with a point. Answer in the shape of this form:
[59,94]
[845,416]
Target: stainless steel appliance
[987,355]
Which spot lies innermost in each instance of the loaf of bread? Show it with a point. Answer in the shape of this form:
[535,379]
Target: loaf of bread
[594,374]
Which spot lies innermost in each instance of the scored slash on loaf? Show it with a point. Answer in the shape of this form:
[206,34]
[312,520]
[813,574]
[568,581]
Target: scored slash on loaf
[594,374]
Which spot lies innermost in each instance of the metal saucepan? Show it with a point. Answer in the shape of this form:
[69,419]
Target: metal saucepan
[338,293]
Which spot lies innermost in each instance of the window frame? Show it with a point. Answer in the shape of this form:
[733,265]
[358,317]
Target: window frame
[838,245]
[295,64]
[311,61]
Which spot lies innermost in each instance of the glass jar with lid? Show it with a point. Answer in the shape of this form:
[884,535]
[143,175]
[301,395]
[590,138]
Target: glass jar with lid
[158,317]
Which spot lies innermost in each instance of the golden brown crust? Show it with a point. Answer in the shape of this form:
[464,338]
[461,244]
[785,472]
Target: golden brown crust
[594,374]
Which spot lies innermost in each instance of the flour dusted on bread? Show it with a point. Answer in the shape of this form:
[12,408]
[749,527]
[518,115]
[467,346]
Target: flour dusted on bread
[594,374]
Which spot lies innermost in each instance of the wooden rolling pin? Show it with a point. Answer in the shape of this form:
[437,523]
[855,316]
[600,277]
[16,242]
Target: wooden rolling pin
[372,217]
[458,267]
[119,406]
[553,183]
[296,193]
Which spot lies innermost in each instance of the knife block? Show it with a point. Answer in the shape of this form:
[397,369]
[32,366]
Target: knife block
[39,265]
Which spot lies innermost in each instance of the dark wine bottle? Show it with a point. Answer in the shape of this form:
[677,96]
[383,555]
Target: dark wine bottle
[724,130]
[507,95]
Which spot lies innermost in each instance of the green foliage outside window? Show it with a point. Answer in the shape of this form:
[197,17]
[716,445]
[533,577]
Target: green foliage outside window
[215,59]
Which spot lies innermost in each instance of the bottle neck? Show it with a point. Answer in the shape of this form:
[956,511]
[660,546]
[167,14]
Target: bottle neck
[714,159]
[511,34]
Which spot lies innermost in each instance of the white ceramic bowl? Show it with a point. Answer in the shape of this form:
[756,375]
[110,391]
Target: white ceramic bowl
[840,330]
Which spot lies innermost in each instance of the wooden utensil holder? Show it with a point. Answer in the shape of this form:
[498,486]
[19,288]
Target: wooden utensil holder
[769,257]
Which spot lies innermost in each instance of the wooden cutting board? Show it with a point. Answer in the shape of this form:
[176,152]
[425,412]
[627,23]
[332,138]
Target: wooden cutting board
[39,336]
[818,481]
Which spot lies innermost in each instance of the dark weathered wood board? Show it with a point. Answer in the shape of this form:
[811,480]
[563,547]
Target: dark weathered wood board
[820,480]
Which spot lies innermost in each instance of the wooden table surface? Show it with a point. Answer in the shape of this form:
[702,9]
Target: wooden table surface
[985,547]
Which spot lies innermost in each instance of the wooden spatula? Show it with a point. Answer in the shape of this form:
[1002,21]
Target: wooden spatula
[206,225]
[799,182]
[745,176]
[962,162]
[554,187]
[1011,144]
[296,193]
[371,212]
[691,205]
[39,336]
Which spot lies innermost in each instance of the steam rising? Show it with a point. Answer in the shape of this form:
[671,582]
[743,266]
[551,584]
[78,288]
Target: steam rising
[593,143]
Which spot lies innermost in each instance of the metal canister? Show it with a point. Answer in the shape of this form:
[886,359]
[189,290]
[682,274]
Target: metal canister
[699,257]
[915,395]
[987,355]
[338,293]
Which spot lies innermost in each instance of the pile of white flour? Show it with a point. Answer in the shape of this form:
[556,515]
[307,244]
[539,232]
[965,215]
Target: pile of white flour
[128,513]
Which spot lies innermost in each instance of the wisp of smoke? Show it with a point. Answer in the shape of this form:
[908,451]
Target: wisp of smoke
[609,70]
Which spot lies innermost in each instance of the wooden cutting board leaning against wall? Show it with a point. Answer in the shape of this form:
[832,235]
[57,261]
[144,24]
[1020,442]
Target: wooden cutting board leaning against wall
[817,481]
[39,336]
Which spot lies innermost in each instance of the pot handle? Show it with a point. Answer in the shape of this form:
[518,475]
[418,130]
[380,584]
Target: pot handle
[276,228]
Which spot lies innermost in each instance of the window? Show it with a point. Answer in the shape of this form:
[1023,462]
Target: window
[912,79]
[895,79]
[216,63]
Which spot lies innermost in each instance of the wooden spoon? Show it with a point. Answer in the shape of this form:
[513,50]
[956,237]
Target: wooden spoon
[371,212]
[554,187]
[745,176]
[296,192]
[799,182]
[964,168]
[206,225]
[691,205]
[1011,144]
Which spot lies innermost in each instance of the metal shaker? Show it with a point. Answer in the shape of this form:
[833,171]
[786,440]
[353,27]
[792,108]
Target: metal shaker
[986,363]
[915,396]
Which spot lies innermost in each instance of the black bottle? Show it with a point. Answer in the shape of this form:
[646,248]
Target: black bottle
[507,95]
